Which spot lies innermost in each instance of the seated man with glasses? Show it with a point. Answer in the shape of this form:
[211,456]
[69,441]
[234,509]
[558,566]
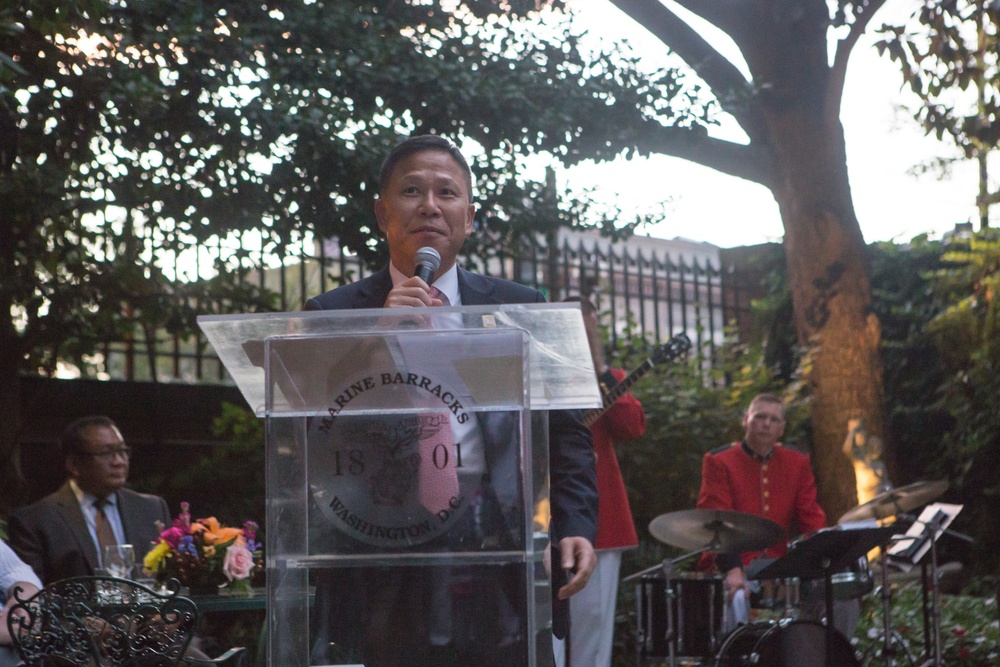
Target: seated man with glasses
[63,534]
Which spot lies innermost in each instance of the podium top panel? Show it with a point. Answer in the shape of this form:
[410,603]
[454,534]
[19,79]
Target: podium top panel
[560,370]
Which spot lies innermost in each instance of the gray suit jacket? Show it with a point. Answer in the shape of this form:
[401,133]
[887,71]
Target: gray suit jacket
[51,535]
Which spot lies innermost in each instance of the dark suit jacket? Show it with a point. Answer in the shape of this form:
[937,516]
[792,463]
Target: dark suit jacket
[51,535]
[571,453]
[572,476]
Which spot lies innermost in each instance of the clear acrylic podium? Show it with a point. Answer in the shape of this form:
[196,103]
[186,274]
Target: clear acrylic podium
[407,459]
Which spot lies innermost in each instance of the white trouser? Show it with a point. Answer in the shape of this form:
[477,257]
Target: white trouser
[592,616]
[736,613]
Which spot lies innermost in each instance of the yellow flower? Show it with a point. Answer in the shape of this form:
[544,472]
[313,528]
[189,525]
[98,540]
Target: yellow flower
[209,550]
[154,559]
[213,532]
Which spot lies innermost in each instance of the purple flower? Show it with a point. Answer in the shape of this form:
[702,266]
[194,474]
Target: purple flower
[250,530]
[183,519]
[186,545]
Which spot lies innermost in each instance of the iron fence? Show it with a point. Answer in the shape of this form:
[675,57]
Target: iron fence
[646,289]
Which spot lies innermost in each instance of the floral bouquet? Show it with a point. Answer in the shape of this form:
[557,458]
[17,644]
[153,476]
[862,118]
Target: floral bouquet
[205,555]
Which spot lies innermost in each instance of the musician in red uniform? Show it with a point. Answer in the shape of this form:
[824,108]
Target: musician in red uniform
[592,610]
[761,476]
[758,476]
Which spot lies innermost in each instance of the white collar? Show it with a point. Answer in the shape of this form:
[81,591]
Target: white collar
[86,499]
[447,282]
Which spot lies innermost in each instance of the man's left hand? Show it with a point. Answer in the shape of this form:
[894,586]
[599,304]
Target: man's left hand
[578,560]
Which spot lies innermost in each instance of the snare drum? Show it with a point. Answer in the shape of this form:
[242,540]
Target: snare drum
[696,605]
[785,644]
[853,582]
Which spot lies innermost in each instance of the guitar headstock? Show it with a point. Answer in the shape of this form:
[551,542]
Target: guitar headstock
[677,346]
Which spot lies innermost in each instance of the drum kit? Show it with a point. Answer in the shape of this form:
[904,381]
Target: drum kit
[679,615]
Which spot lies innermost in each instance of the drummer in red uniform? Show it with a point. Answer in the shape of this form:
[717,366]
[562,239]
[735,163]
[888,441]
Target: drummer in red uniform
[761,476]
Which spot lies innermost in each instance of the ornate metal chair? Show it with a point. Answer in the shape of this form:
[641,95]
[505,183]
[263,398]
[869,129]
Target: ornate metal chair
[104,621]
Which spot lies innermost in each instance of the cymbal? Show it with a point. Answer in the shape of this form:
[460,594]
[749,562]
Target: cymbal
[894,501]
[716,530]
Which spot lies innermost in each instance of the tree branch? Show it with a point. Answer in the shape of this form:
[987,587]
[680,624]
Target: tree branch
[734,92]
[748,162]
[717,12]
[838,73]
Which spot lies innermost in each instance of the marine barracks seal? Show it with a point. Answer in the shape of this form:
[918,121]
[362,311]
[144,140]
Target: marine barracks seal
[399,476]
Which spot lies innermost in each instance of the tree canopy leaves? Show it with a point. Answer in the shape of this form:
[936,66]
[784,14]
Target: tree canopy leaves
[136,130]
[133,133]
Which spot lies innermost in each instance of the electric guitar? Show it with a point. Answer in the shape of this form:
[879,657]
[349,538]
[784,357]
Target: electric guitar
[673,348]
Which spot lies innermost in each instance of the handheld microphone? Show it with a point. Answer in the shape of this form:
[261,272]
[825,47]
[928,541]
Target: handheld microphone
[427,261]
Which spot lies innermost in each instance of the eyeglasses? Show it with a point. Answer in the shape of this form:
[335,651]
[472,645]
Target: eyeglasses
[110,454]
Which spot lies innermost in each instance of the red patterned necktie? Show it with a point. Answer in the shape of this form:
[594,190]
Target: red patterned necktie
[438,477]
[438,294]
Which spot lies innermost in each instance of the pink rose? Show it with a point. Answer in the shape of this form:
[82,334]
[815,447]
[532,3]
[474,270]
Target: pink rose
[238,563]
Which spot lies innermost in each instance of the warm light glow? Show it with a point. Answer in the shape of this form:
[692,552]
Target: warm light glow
[868,482]
[541,520]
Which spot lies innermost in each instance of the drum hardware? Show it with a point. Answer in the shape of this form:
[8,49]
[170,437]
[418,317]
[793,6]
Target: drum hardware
[693,601]
[819,555]
[780,594]
[890,639]
[671,601]
[930,532]
[853,582]
[895,503]
[702,530]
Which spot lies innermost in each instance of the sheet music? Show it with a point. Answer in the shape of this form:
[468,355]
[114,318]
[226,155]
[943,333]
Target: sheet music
[907,552]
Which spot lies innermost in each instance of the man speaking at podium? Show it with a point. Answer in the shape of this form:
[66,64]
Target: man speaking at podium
[425,201]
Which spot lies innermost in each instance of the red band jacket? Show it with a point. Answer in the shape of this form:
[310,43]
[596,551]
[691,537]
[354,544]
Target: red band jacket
[780,488]
[624,421]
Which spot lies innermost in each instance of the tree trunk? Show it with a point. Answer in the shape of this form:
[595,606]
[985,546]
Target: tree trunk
[790,112]
[829,275]
[11,479]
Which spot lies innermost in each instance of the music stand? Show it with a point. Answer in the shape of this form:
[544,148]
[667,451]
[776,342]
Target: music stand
[821,554]
[925,531]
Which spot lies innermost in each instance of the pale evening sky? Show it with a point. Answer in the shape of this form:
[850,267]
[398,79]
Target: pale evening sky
[882,145]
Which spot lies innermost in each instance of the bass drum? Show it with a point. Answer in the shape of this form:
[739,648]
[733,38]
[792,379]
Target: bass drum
[784,644]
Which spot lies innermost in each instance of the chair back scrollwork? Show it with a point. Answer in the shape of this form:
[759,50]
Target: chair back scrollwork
[102,621]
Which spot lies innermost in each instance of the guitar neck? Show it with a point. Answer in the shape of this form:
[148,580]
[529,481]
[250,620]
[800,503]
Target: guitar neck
[617,392]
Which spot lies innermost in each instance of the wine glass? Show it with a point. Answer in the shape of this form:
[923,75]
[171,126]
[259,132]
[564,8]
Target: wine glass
[119,560]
